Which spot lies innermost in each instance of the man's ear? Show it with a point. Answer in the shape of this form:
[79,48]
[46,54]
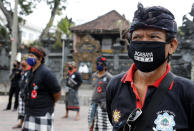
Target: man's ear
[173,46]
[39,59]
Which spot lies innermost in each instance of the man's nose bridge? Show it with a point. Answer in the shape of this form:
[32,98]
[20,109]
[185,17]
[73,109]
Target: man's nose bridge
[145,36]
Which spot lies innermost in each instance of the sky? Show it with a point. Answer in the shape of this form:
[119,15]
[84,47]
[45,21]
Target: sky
[82,11]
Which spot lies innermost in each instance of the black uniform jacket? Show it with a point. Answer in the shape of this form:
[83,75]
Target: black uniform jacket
[176,112]
[41,87]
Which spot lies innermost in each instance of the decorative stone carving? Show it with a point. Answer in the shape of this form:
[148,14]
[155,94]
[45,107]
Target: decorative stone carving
[182,61]
[85,57]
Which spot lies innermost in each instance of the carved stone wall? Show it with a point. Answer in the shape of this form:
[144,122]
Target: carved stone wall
[85,57]
[182,62]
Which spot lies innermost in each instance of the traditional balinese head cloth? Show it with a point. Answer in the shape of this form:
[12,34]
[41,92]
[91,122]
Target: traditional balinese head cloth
[101,59]
[153,17]
[37,51]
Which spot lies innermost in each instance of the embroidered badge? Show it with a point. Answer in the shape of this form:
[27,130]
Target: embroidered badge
[165,122]
[104,79]
[99,89]
[34,94]
[34,91]
[116,116]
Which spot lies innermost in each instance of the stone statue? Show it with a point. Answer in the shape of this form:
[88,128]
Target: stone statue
[182,60]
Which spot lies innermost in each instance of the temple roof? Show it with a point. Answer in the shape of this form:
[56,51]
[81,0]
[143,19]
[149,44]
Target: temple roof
[110,22]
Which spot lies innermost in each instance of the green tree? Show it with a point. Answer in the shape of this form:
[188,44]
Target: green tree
[56,6]
[63,29]
[4,34]
[25,8]
[64,25]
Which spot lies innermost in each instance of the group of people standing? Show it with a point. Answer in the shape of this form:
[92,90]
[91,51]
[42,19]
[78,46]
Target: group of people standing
[39,90]
[148,97]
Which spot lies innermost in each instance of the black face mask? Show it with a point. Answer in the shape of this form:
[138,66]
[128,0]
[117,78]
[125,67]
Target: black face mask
[14,65]
[70,68]
[147,55]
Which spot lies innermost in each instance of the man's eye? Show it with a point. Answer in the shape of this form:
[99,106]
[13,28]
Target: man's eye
[154,36]
[135,37]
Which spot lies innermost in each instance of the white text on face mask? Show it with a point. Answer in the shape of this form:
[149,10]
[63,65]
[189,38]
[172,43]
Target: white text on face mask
[143,56]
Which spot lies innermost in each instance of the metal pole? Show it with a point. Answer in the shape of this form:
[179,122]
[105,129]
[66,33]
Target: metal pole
[62,66]
[14,36]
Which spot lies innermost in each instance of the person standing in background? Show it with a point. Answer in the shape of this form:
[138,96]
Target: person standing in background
[73,82]
[25,69]
[97,115]
[41,93]
[14,89]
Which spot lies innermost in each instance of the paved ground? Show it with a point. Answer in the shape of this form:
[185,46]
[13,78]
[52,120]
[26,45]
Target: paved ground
[9,118]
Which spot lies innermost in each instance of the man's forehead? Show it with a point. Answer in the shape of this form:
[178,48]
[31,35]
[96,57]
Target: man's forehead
[148,30]
[32,55]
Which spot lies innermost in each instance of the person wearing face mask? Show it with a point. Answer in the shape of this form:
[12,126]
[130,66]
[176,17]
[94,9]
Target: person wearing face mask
[97,115]
[25,69]
[41,93]
[14,89]
[148,97]
[73,82]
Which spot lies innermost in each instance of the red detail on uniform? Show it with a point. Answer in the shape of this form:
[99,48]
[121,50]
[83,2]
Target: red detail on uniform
[34,84]
[171,85]
[99,89]
[71,72]
[128,77]
[103,59]
[100,82]
[29,67]
[73,107]
[34,94]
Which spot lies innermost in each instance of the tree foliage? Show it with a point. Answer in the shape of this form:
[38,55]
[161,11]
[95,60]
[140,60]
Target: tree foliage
[64,25]
[56,6]
[25,8]
[63,29]
[4,34]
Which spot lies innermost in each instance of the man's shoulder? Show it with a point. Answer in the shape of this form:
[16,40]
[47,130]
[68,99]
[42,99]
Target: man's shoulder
[43,68]
[119,76]
[185,88]
[44,72]
[183,82]
[108,74]
[116,79]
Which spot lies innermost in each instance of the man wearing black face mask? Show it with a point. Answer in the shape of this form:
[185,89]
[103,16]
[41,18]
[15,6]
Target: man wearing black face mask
[73,82]
[149,97]
[14,89]
[41,92]
[98,118]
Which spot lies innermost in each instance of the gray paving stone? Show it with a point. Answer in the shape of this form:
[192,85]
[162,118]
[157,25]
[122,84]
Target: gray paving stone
[9,118]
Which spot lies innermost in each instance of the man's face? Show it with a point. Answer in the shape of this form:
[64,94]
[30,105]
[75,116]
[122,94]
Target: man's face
[151,34]
[70,67]
[34,56]
[15,65]
[24,63]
